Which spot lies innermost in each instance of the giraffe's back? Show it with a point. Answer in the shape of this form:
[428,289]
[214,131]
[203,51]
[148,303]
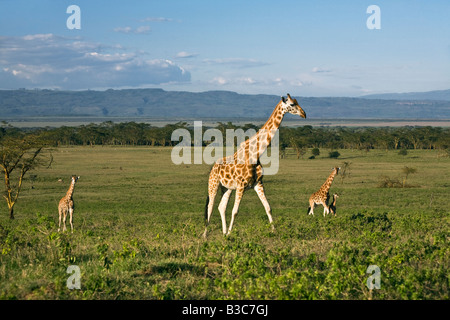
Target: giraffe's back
[65,204]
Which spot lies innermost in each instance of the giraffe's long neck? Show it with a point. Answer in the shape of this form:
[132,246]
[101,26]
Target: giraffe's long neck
[70,191]
[326,186]
[255,146]
[272,124]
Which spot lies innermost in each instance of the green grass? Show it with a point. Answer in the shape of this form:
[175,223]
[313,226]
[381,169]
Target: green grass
[139,219]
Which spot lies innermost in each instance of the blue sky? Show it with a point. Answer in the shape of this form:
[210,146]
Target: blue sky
[307,48]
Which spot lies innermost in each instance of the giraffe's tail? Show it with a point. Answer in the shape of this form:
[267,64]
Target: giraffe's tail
[309,208]
[206,210]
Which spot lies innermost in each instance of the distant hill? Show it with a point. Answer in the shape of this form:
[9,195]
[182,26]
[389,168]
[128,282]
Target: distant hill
[442,95]
[157,103]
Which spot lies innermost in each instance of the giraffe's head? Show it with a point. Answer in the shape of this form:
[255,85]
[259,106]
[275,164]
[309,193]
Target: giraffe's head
[336,170]
[75,178]
[291,105]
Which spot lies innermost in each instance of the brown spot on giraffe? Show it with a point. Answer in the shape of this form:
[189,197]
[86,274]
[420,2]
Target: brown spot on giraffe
[322,196]
[243,170]
[66,205]
[277,121]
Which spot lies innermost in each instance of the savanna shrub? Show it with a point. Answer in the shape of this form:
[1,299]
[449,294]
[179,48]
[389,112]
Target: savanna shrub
[315,152]
[334,154]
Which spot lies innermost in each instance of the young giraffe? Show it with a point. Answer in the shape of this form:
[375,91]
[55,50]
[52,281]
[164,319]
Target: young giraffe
[242,170]
[333,205]
[322,196]
[66,205]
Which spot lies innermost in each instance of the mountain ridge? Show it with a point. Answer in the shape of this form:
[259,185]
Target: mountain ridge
[438,95]
[158,103]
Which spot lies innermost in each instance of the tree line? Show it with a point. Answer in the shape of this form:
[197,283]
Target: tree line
[22,150]
[135,134]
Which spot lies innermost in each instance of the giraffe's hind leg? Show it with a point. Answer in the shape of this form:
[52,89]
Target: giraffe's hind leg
[60,214]
[70,219]
[64,219]
[311,207]
[259,188]
[213,186]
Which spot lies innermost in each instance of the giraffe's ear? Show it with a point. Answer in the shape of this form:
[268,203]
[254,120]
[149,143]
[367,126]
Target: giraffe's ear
[283,99]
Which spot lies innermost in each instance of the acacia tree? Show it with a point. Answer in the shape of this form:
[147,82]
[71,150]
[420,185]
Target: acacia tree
[298,145]
[18,155]
[407,171]
[345,170]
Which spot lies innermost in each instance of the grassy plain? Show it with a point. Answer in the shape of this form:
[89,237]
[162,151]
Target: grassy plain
[139,219]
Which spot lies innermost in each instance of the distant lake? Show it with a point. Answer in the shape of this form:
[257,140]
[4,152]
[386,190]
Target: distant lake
[41,122]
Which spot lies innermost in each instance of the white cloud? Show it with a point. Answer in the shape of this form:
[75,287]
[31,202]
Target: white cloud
[184,55]
[236,62]
[232,81]
[49,61]
[47,36]
[123,29]
[219,80]
[247,80]
[251,81]
[258,84]
[130,30]
[320,70]
[156,19]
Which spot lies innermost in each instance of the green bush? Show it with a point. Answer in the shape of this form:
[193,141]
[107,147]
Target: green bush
[315,152]
[334,154]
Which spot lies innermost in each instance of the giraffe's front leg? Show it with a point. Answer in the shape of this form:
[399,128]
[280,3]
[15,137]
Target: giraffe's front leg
[332,211]
[237,200]
[326,209]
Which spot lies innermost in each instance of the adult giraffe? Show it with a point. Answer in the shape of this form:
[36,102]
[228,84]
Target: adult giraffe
[242,170]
